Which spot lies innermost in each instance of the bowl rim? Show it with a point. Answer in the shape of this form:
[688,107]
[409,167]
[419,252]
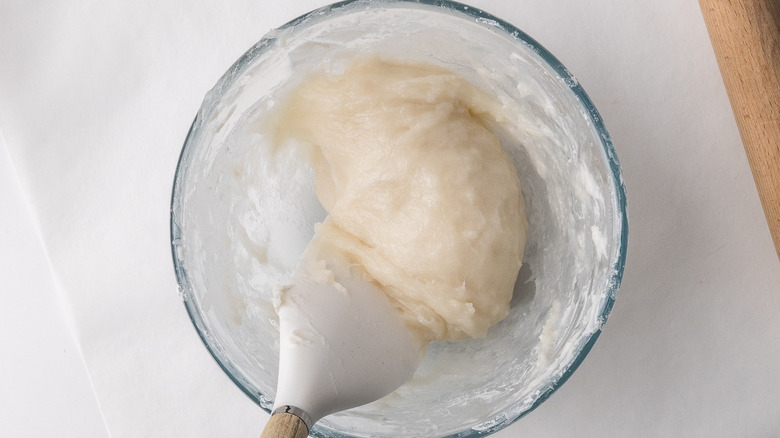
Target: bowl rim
[464,11]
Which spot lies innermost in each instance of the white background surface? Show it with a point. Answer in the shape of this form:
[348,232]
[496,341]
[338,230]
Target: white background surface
[44,384]
[95,101]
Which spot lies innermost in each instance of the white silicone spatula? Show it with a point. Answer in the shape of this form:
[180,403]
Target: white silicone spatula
[342,345]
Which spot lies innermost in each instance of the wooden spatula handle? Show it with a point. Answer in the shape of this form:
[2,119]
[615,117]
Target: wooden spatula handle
[285,425]
[745,35]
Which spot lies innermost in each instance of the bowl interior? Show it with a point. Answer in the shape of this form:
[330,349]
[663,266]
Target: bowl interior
[241,220]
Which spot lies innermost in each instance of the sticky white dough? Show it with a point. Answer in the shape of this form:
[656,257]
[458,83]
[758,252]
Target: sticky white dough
[419,193]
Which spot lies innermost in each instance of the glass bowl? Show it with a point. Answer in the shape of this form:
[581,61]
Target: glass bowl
[239,222]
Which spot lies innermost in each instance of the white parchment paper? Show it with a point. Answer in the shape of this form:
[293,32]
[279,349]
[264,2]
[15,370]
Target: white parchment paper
[95,101]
